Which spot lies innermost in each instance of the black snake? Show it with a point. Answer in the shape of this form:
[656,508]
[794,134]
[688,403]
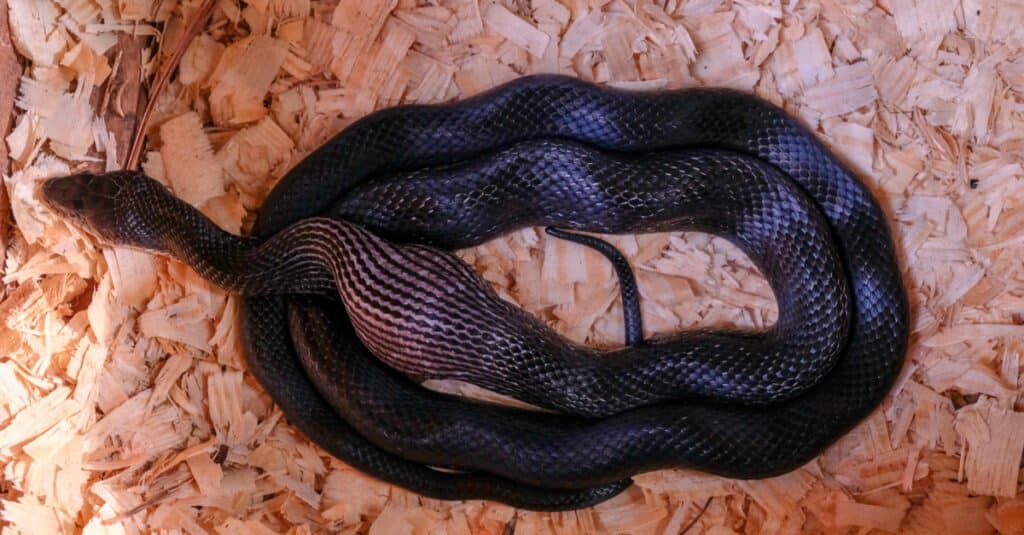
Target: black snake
[544,150]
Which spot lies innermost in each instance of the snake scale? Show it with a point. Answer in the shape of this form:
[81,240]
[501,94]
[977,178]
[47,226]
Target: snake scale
[372,215]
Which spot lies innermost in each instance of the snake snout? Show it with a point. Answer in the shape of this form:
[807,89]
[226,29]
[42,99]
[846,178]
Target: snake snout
[65,194]
[87,199]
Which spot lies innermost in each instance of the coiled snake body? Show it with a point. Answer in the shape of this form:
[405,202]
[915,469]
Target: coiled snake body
[544,150]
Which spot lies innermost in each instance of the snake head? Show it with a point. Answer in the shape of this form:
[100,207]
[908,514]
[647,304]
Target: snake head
[98,203]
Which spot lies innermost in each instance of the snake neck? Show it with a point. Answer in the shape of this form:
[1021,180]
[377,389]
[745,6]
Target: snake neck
[316,256]
[288,262]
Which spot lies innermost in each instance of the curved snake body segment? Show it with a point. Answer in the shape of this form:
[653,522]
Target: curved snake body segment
[549,181]
[631,318]
[738,441]
[426,312]
[291,392]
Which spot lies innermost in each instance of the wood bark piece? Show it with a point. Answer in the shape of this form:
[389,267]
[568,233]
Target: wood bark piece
[10,72]
[125,97]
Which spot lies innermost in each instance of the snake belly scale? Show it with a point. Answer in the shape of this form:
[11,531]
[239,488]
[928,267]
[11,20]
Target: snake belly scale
[369,217]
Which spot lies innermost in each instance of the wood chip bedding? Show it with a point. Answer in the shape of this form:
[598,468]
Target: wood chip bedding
[124,403]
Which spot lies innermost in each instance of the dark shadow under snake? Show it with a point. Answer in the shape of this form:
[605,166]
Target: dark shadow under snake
[542,461]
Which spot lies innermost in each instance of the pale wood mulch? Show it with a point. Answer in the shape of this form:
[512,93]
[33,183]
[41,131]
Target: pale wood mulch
[124,404]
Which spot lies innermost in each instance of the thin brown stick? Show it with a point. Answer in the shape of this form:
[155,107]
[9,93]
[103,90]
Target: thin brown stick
[163,77]
[696,518]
